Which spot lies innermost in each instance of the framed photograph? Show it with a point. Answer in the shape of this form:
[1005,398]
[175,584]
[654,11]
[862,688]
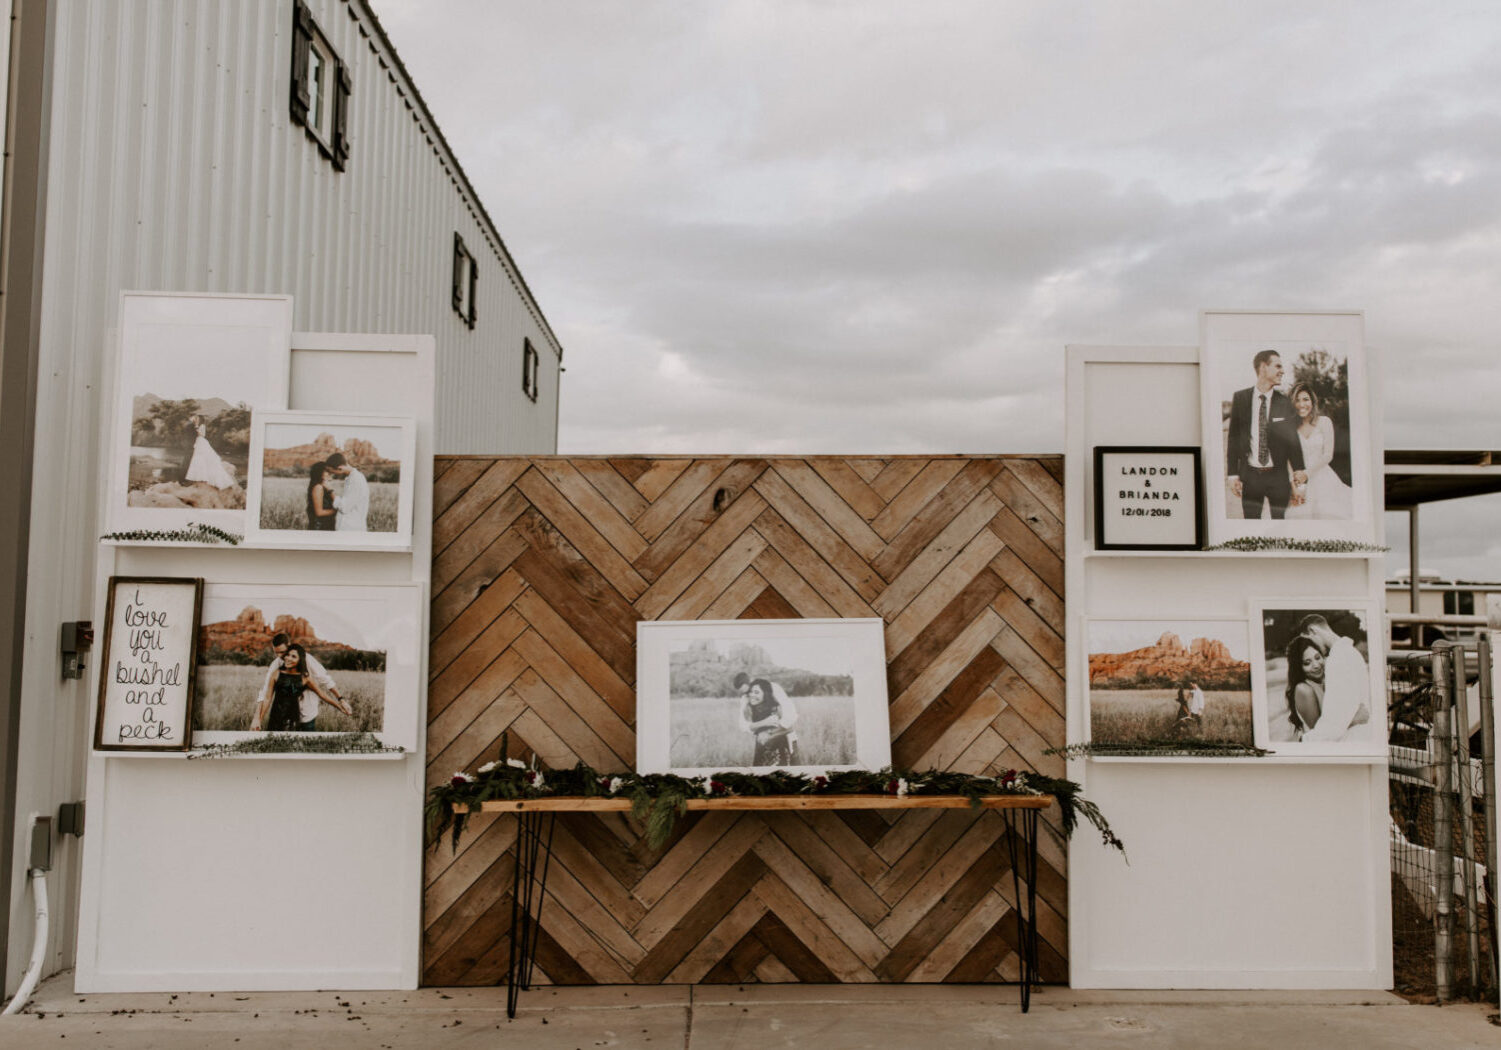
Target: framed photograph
[147,668]
[1317,670]
[301,658]
[806,696]
[1287,426]
[1157,682]
[1147,497]
[333,481]
[190,371]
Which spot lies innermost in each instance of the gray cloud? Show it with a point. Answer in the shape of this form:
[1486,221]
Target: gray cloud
[830,225]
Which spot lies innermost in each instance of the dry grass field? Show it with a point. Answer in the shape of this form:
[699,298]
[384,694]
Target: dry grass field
[227,695]
[706,733]
[284,504]
[1128,716]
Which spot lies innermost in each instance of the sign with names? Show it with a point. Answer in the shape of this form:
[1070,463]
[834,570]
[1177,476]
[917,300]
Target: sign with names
[1147,498]
[148,664]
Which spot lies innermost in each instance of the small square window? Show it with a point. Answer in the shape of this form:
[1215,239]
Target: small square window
[529,369]
[320,87]
[465,277]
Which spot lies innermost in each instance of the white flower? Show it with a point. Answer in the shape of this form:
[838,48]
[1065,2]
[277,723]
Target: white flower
[487,767]
[901,789]
[708,786]
[616,783]
[515,763]
[463,778]
[535,779]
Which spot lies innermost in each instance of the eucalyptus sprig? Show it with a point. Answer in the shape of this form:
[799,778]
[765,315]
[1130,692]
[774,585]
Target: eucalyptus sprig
[1283,543]
[1209,748]
[194,532]
[297,744]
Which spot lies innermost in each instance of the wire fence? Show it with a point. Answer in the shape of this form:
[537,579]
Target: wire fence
[1442,822]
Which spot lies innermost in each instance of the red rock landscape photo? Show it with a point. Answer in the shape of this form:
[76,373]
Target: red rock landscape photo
[1137,667]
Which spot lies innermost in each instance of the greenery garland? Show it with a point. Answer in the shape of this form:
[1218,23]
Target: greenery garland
[195,532]
[296,744]
[1160,748]
[659,799]
[1281,543]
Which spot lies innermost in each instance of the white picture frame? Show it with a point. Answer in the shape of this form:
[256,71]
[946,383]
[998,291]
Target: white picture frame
[1275,628]
[182,354]
[1136,668]
[285,447]
[345,626]
[831,671]
[1324,353]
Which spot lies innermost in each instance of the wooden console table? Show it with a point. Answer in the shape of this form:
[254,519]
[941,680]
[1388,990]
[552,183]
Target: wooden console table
[536,817]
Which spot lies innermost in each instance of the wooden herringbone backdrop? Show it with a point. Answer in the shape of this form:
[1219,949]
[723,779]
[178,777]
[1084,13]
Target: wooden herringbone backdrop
[542,568]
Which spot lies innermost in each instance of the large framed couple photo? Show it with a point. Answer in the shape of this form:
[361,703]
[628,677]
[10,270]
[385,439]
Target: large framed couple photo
[300,658]
[190,371]
[1287,426]
[331,481]
[806,696]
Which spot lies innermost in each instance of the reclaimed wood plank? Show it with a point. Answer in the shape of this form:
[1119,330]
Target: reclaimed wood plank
[927,482]
[583,535]
[712,542]
[844,519]
[925,566]
[819,535]
[610,484]
[937,515]
[716,500]
[810,565]
[852,487]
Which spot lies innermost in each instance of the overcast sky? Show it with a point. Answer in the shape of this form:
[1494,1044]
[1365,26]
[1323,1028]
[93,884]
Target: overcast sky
[869,226]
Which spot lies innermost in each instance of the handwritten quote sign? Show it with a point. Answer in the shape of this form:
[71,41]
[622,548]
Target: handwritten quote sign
[1147,498]
[147,670]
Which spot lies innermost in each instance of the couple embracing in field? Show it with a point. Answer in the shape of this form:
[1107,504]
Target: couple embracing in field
[296,684]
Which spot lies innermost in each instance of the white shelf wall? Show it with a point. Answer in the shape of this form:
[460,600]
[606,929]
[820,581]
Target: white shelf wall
[269,873]
[1244,873]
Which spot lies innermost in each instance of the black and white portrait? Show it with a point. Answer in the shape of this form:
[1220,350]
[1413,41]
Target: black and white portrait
[801,695]
[1318,678]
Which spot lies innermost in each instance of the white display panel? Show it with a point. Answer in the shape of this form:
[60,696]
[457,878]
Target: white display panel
[272,872]
[1244,872]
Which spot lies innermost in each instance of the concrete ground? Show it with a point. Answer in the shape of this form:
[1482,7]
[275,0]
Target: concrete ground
[751,1017]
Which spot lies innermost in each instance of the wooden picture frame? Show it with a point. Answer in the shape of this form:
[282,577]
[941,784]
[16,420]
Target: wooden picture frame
[148,664]
[284,446]
[707,692]
[1148,497]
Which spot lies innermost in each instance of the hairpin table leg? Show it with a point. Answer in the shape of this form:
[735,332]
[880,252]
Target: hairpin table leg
[533,841]
[1024,868]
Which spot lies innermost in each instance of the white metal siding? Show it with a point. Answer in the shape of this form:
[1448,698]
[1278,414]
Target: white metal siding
[174,165]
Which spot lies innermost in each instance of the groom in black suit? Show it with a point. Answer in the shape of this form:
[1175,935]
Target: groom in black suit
[1263,442]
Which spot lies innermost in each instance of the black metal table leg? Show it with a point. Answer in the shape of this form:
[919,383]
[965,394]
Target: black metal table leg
[533,841]
[1024,867]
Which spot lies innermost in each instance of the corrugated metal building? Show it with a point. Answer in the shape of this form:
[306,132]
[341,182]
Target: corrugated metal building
[155,145]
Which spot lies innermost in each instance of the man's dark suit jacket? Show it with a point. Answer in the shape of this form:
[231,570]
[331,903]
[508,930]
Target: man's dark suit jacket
[1284,448]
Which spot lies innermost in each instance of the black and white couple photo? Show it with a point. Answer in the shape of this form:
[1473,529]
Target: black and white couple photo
[1287,446]
[1318,676]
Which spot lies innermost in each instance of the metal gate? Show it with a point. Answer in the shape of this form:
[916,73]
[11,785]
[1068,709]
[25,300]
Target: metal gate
[1443,820]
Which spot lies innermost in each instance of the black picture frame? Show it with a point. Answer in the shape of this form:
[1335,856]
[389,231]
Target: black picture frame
[187,662]
[1140,508]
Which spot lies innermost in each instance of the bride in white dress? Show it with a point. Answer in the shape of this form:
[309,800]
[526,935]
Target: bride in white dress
[206,465]
[1325,497]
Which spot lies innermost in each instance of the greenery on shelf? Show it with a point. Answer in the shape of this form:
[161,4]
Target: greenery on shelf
[298,744]
[193,533]
[1160,748]
[1281,543]
[657,800]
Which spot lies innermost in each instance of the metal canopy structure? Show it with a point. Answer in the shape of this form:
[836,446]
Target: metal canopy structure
[1421,476]
[1417,476]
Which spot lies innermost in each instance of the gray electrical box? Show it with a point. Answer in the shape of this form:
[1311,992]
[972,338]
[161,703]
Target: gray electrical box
[41,844]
